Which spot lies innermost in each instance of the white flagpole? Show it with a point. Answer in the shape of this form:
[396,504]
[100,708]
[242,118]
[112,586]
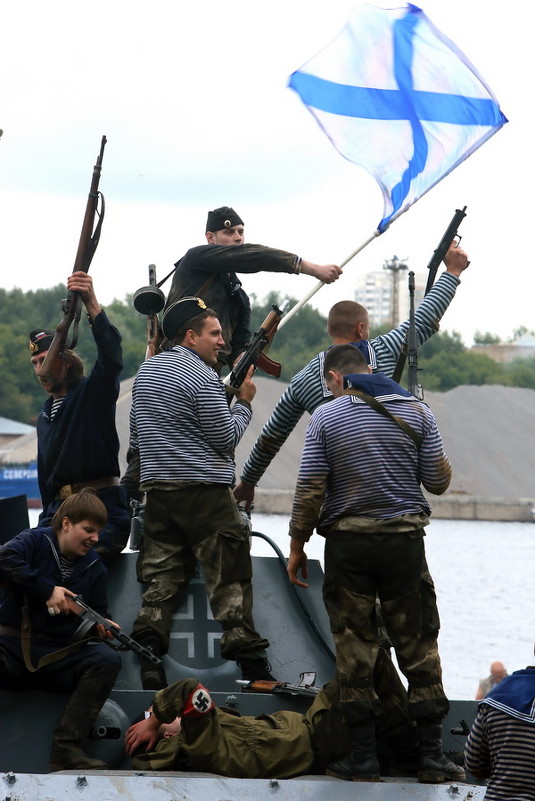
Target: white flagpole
[319,285]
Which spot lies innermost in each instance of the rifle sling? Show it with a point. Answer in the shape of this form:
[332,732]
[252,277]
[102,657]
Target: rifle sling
[26,638]
[378,407]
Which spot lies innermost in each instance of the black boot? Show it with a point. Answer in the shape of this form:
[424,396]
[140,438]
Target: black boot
[255,668]
[74,726]
[152,676]
[361,764]
[433,764]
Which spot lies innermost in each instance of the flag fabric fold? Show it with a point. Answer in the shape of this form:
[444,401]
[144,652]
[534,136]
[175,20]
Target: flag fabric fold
[398,98]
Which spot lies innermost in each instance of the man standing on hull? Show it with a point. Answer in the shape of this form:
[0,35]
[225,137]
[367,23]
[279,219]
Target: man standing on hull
[185,435]
[347,323]
[209,272]
[366,454]
[77,442]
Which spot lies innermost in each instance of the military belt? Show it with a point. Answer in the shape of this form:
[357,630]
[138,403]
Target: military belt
[96,484]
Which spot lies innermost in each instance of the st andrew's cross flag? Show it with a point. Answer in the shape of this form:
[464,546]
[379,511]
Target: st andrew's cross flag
[397,97]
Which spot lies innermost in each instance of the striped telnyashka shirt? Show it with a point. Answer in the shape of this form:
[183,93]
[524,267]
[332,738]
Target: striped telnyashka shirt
[358,463]
[502,747]
[181,422]
[307,389]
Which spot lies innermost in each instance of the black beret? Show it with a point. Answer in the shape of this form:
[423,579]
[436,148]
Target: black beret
[221,218]
[40,340]
[179,313]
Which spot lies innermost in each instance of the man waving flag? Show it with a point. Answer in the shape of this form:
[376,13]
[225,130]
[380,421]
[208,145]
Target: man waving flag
[397,97]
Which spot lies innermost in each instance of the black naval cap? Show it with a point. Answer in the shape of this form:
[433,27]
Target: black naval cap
[179,313]
[221,218]
[40,340]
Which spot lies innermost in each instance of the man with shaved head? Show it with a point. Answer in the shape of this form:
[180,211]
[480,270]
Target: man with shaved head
[347,323]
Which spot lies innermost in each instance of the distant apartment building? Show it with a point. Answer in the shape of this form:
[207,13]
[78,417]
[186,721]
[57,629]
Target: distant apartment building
[385,292]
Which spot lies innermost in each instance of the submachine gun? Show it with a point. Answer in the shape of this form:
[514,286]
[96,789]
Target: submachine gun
[72,304]
[90,618]
[150,300]
[256,350]
[409,350]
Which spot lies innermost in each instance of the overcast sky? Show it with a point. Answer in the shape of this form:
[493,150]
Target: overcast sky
[194,102]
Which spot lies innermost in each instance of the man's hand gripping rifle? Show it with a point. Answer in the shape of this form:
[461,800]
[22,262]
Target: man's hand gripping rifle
[72,305]
[90,618]
[256,351]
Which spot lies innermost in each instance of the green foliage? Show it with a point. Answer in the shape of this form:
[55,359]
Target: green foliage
[486,339]
[444,360]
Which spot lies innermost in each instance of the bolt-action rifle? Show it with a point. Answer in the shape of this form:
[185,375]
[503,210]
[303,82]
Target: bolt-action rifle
[256,351]
[72,305]
[90,618]
[451,233]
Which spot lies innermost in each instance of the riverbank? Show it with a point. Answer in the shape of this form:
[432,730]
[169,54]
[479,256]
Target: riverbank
[447,507]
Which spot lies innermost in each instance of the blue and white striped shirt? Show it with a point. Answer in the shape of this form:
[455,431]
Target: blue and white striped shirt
[180,420]
[358,463]
[307,389]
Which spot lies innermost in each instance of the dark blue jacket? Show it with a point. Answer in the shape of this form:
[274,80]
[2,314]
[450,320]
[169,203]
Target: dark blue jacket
[29,564]
[81,443]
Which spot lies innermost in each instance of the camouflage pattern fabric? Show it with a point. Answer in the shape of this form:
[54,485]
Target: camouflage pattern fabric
[200,522]
[358,568]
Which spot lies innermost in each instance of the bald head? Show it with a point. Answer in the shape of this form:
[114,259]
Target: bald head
[348,322]
[498,671]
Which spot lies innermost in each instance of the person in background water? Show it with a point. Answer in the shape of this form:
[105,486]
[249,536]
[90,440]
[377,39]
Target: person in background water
[497,674]
[77,441]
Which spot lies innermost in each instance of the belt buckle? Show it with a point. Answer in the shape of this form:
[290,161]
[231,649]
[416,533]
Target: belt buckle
[65,491]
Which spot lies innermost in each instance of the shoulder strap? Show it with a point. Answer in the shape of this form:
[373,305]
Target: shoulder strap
[378,407]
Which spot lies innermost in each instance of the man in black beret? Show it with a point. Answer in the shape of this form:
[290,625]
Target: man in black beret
[209,272]
[77,442]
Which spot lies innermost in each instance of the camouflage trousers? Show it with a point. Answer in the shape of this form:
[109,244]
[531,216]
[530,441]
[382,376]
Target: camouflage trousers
[358,568]
[198,523]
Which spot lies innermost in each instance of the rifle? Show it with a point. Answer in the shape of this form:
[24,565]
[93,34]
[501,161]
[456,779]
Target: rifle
[150,300]
[450,234]
[72,305]
[412,347]
[305,686]
[255,352]
[91,618]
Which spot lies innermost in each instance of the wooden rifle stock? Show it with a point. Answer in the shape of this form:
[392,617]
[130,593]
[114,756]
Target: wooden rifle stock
[255,352]
[87,245]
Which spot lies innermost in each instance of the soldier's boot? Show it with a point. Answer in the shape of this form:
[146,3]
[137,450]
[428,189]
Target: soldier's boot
[434,766]
[361,764]
[74,726]
[255,668]
[152,676]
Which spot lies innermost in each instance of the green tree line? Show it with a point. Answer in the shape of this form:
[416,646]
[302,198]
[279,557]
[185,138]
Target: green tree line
[445,362]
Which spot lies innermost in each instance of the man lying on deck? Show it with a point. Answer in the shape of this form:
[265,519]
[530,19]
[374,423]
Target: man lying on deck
[184,730]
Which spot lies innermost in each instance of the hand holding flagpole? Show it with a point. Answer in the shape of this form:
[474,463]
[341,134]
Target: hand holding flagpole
[319,285]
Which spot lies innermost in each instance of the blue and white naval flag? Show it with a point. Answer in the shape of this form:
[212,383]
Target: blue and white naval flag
[397,97]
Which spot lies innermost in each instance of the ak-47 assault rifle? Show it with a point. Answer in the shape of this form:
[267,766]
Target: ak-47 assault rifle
[255,352]
[305,686]
[451,233]
[72,305]
[150,300]
[90,618]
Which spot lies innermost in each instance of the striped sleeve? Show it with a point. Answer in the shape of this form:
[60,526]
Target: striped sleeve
[503,748]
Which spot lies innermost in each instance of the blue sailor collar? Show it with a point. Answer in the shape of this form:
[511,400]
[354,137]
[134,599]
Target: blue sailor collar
[375,384]
[515,695]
